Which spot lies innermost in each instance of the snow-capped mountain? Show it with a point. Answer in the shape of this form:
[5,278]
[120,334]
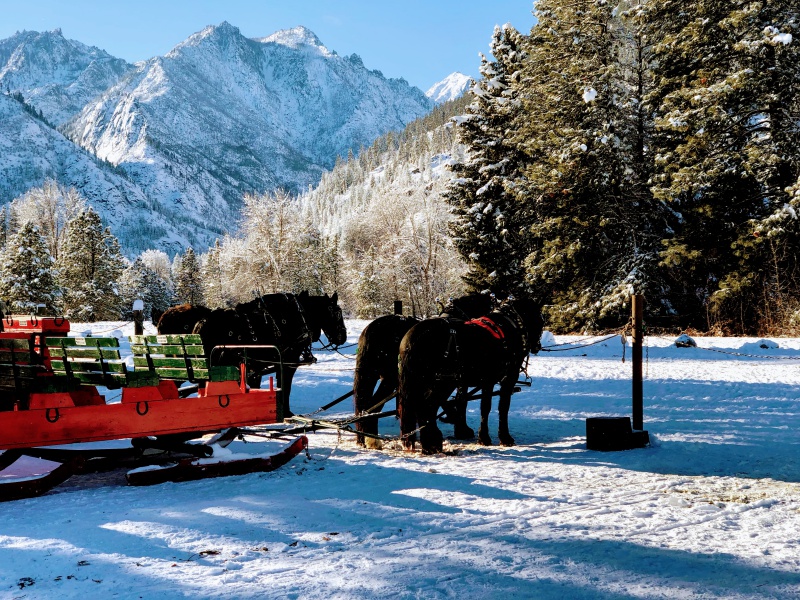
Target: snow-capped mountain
[32,151]
[451,87]
[221,115]
[218,116]
[56,75]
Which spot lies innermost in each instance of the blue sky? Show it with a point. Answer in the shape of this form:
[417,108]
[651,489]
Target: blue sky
[423,41]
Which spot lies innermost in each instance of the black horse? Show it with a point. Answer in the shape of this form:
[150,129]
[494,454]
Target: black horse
[438,355]
[181,319]
[378,349]
[289,322]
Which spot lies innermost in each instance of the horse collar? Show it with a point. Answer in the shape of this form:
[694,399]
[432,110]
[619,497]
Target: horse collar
[489,325]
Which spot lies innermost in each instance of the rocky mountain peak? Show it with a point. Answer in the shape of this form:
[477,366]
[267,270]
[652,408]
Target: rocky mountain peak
[451,87]
[219,116]
[297,36]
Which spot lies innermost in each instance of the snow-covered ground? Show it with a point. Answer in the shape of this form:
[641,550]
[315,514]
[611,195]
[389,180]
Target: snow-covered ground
[710,510]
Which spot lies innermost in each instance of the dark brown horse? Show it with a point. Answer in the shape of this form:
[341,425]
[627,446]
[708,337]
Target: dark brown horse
[181,319]
[287,321]
[439,355]
[378,349]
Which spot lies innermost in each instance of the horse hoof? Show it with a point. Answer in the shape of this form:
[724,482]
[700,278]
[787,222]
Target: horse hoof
[484,440]
[463,433]
[506,440]
[374,444]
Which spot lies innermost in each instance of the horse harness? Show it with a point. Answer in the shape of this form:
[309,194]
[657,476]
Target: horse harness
[452,370]
[271,322]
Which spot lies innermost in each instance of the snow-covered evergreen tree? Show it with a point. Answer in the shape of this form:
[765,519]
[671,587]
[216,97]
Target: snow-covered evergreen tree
[214,290]
[727,138]
[139,282]
[595,235]
[89,266]
[188,278]
[490,225]
[4,235]
[27,276]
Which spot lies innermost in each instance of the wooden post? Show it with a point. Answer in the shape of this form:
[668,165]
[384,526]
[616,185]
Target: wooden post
[637,311]
[138,317]
[138,322]
[398,307]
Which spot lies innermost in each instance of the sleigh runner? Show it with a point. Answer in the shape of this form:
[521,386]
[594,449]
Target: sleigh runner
[49,397]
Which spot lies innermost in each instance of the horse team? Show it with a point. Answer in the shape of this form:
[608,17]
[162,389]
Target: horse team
[475,342]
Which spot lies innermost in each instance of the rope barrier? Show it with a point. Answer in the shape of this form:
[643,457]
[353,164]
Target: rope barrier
[586,345]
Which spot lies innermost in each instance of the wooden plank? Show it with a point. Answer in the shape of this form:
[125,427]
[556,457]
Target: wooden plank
[170,362]
[6,344]
[141,379]
[79,352]
[56,342]
[52,384]
[167,350]
[96,378]
[89,365]
[167,373]
[28,371]
[189,339]
[19,357]
[223,373]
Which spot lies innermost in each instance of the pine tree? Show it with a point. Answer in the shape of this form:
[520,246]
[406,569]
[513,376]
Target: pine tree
[139,282]
[4,235]
[213,279]
[89,267]
[26,271]
[370,301]
[595,236]
[188,279]
[490,226]
[726,133]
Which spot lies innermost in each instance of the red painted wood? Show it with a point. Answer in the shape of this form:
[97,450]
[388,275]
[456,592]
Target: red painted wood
[149,415]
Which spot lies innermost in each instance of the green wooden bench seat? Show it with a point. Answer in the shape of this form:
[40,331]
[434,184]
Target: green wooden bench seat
[19,368]
[94,361]
[179,357]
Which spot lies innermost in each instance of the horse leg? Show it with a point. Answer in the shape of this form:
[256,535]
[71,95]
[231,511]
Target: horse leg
[461,431]
[364,382]
[430,436]
[285,384]
[385,389]
[486,407]
[502,410]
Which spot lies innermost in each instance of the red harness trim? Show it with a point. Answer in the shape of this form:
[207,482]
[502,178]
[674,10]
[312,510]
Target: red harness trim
[489,326]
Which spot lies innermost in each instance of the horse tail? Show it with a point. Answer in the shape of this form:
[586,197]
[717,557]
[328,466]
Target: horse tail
[407,396]
[363,378]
